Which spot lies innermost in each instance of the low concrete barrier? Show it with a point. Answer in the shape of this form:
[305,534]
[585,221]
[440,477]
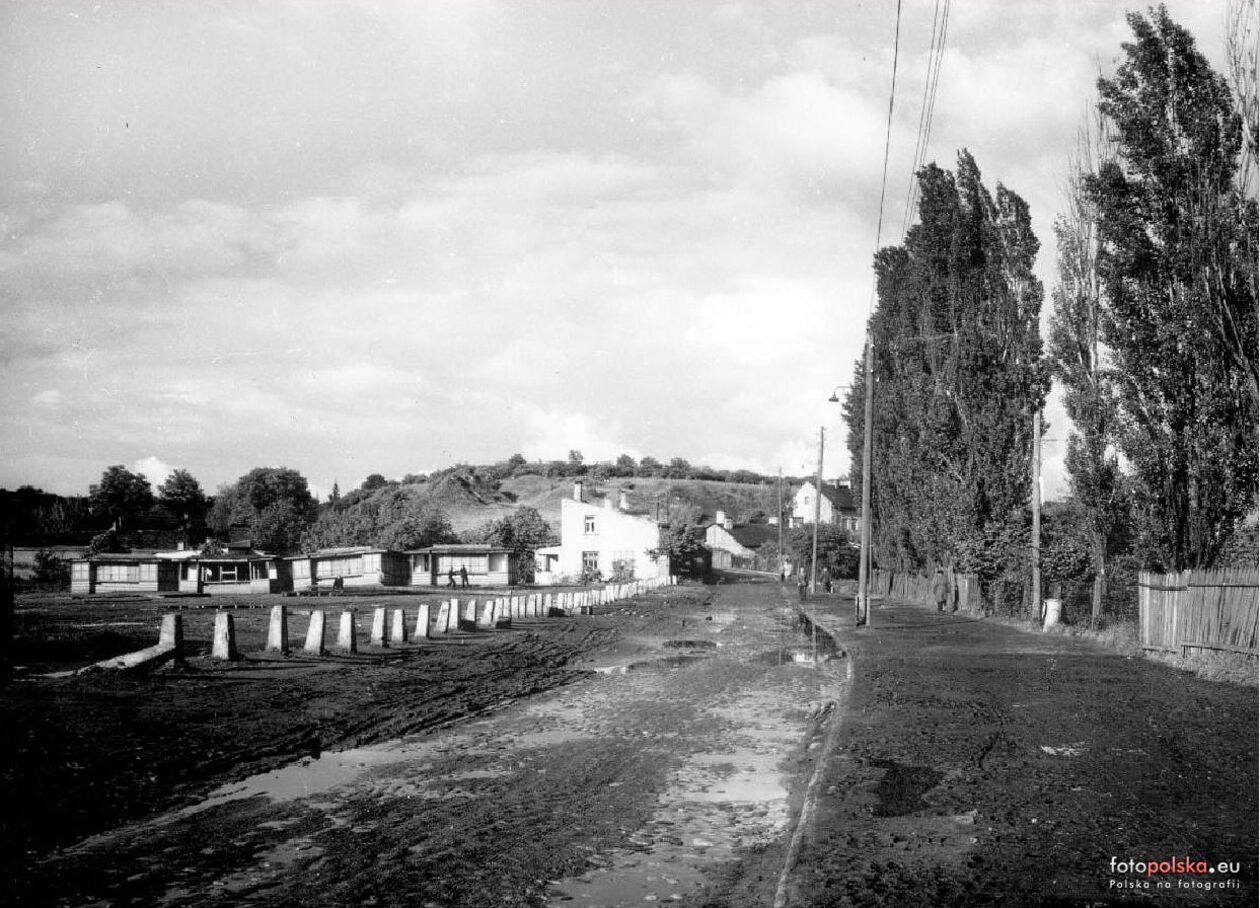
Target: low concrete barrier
[224,645]
[398,629]
[278,631]
[346,641]
[315,633]
[378,628]
[169,648]
[421,631]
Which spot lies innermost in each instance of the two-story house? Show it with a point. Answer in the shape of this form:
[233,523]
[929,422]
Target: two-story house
[837,506]
[604,537]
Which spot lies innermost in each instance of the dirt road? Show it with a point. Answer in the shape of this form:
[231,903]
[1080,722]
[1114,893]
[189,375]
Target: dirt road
[978,764]
[700,746]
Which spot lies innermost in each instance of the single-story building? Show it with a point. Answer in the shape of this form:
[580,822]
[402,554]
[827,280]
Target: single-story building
[741,546]
[486,565]
[237,569]
[350,566]
[133,572]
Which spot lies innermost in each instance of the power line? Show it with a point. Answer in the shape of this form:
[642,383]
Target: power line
[892,94]
[936,56]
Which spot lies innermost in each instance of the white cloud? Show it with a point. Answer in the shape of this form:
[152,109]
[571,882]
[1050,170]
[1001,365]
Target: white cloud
[153,469]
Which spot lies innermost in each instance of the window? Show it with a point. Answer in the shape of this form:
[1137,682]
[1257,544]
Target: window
[590,562]
[340,567]
[118,573]
[590,525]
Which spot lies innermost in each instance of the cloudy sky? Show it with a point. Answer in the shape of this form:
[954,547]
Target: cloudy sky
[385,237]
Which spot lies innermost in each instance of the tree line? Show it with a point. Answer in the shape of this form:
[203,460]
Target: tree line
[1153,339]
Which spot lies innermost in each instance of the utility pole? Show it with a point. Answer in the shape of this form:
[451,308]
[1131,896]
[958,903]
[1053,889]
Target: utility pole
[864,556]
[813,570]
[779,521]
[1036,515]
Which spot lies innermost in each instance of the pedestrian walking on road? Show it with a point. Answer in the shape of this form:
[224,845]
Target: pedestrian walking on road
[450,577]
[463,577]
[940,590]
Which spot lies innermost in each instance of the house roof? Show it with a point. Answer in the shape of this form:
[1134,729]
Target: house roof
[753,535]
[460,549]
[338,551]
[841,497]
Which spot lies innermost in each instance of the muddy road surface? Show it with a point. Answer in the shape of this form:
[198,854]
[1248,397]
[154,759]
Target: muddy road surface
[700,746]
[668,754]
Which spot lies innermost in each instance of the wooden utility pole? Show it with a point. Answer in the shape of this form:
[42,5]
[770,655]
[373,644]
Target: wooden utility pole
[864,556]
[813,580]
[1036,516]
[779,521]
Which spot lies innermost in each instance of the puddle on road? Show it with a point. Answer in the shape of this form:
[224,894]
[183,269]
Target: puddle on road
[663,663]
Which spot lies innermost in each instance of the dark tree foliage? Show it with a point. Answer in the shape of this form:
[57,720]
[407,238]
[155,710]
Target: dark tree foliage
[121,495]
[523,532]
[181,496]
[836,552]
[1177,266]
[273,504]
[957,374]
[394,517]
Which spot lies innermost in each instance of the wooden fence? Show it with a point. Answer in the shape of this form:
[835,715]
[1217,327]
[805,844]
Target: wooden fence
[1199,610]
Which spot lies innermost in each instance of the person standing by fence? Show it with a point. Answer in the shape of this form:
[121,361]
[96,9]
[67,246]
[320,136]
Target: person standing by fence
[940,590]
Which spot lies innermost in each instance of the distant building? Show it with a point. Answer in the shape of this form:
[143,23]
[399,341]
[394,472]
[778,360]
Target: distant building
[486,565]
[608,538]
[741,546]
[837,506]
[238,568]
[350,566]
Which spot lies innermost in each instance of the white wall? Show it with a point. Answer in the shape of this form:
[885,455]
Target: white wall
[614,535]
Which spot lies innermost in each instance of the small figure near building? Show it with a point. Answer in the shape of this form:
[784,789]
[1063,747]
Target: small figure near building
[463,577]
[450,577]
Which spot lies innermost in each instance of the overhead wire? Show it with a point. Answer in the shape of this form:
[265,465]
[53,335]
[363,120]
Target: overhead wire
[883,187]
[936,56]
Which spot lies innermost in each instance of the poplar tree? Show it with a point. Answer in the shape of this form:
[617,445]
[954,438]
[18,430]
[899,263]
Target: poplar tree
[1177,265]
[958,379]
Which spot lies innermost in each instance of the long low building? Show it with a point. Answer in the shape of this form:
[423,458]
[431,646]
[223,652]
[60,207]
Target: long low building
[240,569]
[235,569]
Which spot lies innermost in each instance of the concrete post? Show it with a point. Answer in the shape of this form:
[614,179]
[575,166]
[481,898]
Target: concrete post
[224,646]
[171,634]
[452,617]
[470,614]
[443,617]
[546,610]
[315,633]
[483,615]
[278,630]
[422,623]
[346,641]
[378,628]
[398,630]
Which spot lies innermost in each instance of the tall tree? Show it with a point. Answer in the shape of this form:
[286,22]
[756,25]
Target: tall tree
[957,373]
[1077,359]
[181,495]
[121,495]
[275,503]
[1178,269]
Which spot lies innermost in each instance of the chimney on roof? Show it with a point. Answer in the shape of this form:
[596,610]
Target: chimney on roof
[608,503]
[577,490]
[728,523]
[623,500]
[720,518]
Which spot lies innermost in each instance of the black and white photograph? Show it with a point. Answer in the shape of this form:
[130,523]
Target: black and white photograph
[607,453]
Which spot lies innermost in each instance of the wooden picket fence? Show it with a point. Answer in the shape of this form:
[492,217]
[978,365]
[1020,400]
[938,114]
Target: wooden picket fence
[1199,610]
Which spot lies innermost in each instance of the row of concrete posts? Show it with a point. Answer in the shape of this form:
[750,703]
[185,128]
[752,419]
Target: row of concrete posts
[396,627]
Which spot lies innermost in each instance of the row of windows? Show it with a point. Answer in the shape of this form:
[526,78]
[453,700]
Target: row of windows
[118,573]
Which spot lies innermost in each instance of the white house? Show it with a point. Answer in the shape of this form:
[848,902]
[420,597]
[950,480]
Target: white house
[740,546]
[606,537]
[836,506]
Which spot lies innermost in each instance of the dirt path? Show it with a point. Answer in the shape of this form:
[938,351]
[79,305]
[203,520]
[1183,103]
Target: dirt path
[979,764]
[670,759]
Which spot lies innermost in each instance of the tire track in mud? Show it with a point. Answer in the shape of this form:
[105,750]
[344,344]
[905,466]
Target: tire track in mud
[660,777]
